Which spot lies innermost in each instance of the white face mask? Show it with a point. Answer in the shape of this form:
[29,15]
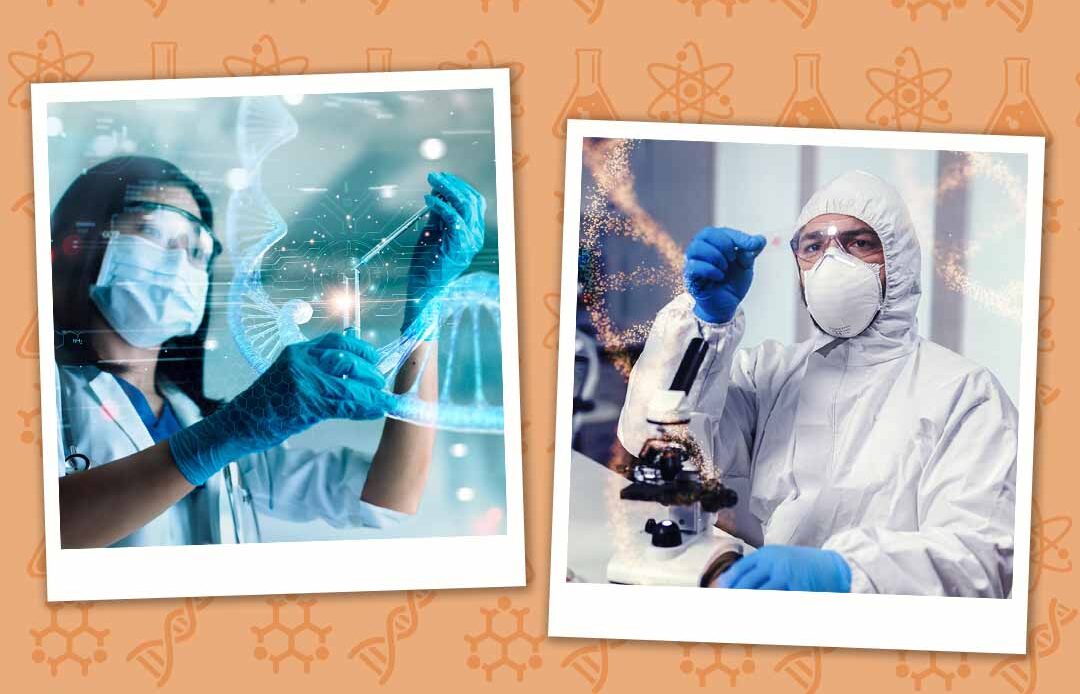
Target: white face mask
[148,293]
[843,294]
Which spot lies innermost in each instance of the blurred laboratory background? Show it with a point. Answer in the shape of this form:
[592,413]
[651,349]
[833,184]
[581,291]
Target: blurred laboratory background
[356,168]
[969,211]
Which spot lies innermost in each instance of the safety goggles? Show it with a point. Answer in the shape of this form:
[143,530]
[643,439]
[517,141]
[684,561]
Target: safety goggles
[810,244]
[169,227]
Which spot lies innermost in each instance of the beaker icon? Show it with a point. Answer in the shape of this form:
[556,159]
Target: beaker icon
[378,59]
[588,99]
[806,107]
[1016,113]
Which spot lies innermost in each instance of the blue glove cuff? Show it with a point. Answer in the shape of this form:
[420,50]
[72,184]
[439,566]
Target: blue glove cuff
[842,569]
[195,454]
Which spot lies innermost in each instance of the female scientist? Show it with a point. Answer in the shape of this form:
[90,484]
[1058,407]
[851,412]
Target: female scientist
[878,461]
[147,458]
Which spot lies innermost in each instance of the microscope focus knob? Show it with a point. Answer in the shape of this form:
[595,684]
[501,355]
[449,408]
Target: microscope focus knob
[666,534]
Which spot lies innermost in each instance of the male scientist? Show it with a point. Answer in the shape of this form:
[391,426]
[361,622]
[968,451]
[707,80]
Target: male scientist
[878,461]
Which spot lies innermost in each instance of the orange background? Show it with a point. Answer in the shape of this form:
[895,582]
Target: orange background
[465,639]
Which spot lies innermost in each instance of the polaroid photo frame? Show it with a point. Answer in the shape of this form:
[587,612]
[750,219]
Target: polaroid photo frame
[688,614]
[324,566]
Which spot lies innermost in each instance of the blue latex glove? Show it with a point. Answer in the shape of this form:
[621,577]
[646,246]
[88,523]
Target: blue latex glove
[453,235]
[785,567]
[719,269]
[330,377]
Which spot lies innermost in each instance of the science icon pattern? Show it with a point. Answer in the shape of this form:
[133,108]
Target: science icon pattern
[999,66]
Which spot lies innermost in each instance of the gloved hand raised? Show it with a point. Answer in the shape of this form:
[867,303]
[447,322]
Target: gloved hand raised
[451,238]
[785,567]
[719,268]
[330,377]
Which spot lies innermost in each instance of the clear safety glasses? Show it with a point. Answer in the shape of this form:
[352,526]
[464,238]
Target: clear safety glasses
[810,244]
[169,227]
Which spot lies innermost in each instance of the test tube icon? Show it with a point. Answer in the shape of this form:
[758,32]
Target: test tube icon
[356,298]
[163,59]
[378,59]
[346,309]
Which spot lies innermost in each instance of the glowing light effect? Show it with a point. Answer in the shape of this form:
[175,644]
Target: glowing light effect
[950,256]
[342,303]
[609,163]
[293,99]
[465,494]
[236,178]
[432,148]
[458,450]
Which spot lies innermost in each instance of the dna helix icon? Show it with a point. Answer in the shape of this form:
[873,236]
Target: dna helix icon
[591,662]
[156,655]
[1021,671]
[380,652]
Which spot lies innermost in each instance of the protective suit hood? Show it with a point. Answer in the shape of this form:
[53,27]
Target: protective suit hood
[868,198]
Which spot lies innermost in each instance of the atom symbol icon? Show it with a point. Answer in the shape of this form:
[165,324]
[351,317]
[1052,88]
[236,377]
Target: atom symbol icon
[265,60]
[690,90]
[908,96]
[48,64]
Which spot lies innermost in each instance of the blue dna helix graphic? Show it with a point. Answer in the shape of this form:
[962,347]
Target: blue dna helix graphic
[464,318]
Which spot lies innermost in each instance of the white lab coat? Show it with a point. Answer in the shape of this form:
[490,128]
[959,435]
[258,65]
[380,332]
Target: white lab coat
[98,419]
[887,448]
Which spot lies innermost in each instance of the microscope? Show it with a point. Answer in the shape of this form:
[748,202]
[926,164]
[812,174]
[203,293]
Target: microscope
[683,549]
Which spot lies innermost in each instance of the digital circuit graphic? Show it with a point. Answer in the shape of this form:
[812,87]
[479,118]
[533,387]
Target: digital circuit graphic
[348,277]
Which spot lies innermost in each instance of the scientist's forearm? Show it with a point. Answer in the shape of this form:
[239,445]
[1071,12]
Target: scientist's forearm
[109,502]
[399,469]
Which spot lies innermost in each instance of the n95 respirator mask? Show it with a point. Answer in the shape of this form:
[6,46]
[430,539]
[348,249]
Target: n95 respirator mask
[843,293]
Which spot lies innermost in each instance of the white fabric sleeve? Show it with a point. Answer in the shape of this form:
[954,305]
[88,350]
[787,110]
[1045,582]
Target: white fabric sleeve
[61,454]
[722,397]
[303,485]
[966,501]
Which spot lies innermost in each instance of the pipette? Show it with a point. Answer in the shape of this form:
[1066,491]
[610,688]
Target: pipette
[402,228]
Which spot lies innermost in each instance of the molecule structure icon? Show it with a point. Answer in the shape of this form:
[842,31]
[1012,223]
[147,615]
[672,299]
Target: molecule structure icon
[69,637]
[504,642]
[291,634]
[933,669]
[1052,215]
[699,5]
[915,6]
[715,662]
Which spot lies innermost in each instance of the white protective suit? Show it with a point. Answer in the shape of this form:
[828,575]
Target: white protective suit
[887,448]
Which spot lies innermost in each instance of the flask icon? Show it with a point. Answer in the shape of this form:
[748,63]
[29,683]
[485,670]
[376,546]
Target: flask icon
[806,107]
[1016,113]
[588,99]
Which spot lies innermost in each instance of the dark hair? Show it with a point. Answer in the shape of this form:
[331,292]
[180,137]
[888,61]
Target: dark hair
[84,212]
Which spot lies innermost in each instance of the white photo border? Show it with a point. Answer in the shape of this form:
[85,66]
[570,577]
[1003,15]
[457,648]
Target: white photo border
[284,567]
[661,613]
